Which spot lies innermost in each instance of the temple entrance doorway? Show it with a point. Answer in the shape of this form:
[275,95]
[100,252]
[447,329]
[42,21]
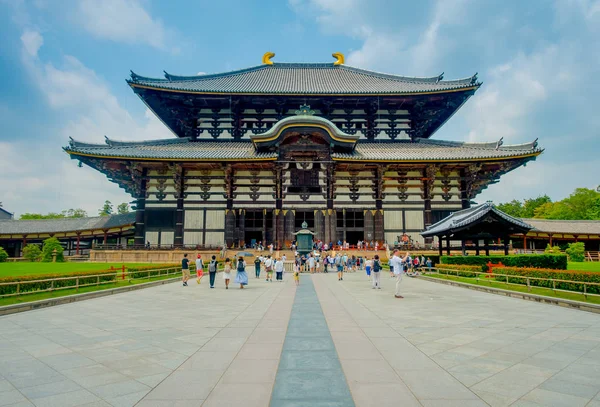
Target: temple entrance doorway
[352,237]
[252,237]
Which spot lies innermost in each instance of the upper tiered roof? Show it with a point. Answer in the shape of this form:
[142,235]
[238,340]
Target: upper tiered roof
[303,79]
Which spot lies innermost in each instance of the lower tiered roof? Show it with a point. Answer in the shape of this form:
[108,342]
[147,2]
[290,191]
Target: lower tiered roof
[185,149]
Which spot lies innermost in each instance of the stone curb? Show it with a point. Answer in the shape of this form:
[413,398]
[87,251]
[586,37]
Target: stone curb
[33,305]
[582,306]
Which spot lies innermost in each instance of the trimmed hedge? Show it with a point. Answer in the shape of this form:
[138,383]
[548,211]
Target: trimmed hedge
[155,270]
[584,276]
[28,283]
[461,270]
[545,261]
[3,255]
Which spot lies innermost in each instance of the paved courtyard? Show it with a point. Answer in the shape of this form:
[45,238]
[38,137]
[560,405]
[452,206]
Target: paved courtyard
[327,343]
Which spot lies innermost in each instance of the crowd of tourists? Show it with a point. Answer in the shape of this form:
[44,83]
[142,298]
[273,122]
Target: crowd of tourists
[313,262]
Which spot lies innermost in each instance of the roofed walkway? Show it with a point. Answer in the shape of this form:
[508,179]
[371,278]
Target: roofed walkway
[175,346]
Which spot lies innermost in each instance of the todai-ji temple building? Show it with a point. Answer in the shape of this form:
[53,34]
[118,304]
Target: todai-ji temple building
[259,151]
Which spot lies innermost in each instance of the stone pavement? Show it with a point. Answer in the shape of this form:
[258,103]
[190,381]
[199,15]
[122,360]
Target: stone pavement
[175,346]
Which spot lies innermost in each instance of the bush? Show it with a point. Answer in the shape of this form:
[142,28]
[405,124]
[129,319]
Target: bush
[576,252]
[29,283]
[3,255]
[552,249]
[32,252]
[547,261]
[572,275]
[49,246]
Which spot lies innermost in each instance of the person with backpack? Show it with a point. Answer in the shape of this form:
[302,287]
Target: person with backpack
[368,267]
[339,262]
[269,268]
[377,272]
[227,273]
[241,278]
[257,262]
[185,270]
[212,271]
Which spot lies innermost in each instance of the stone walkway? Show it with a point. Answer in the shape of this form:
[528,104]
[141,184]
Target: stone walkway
[175,346]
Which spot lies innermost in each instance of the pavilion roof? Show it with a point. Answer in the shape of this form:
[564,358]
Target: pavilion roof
[466,218]
[304,78]
[23,227]
[218,150]
[572,227]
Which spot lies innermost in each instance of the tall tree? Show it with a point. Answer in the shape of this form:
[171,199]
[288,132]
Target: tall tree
[123,208]
[512,208]
[107,209]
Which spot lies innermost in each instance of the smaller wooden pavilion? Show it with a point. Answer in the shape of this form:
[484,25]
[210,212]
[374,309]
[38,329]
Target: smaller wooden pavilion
[480,223]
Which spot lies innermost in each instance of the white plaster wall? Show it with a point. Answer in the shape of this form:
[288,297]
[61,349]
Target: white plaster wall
[193,219]
[152,237]
[414,220]
[192,238]
[167,237]
[392,220]
[215,219]
[215,238]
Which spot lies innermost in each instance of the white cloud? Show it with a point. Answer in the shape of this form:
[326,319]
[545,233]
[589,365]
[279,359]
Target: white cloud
[51,181]
[121,21]
[32,41]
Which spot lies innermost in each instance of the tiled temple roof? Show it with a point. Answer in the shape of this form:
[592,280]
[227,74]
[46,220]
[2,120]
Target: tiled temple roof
[462,219]
[22,227]
[298,78]
[572,227]
[216,150]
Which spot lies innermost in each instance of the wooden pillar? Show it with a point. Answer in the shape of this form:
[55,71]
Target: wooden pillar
[477,247]
[140,214]
[464,196]
[506,245]
[550,239]
[487,247]
[264,228]
[463,247]
[440,245]
[78,239]
[525,243]
[105,237]
[427,188]
[242,228]
[448,245]
[179,179]
[230,221]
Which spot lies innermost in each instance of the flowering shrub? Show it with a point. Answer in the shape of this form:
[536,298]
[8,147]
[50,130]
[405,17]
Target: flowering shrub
[461,270]
[548,261]
[570,275]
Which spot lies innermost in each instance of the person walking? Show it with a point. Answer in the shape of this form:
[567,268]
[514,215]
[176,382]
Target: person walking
[227,272]
[269,268]
[429,264]
[311,263]
[399,271]
[185,270]
[241,278]
[377,272]
[199,269]
[368,265]
[297,274]
[257,262]
[279,270]
[212,271]
[339,262]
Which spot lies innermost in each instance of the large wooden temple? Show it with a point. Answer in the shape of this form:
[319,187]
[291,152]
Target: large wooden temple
[261,150]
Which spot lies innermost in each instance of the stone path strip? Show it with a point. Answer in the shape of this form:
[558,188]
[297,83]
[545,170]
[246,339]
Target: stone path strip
[309,371]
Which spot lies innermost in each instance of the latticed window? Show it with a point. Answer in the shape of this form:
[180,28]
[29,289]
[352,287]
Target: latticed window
[304,181]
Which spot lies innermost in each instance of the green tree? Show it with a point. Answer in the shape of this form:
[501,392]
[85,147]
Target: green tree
[512,208]
[49,246]
[32,252]
[530,205]
[123,208]
[107,209]
[552,249]
[38,216]
[576,252]
[74,213]
[3,255]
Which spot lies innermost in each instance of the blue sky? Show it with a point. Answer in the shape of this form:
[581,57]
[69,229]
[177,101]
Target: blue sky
[63,66]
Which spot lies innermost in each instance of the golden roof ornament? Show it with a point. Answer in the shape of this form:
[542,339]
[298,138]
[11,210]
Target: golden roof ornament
[266,59]
[340,58]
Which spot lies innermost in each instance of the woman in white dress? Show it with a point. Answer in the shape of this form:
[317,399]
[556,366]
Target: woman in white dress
[227,272]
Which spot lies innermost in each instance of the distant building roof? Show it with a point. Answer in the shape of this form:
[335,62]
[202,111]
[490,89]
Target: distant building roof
[571,227]
[24,227]
[467,218]
[384,150]
[6,212]
[303,78]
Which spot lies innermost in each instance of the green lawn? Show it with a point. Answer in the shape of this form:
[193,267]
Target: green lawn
[586,266]
[593,299]
[61,293]
[27,268]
